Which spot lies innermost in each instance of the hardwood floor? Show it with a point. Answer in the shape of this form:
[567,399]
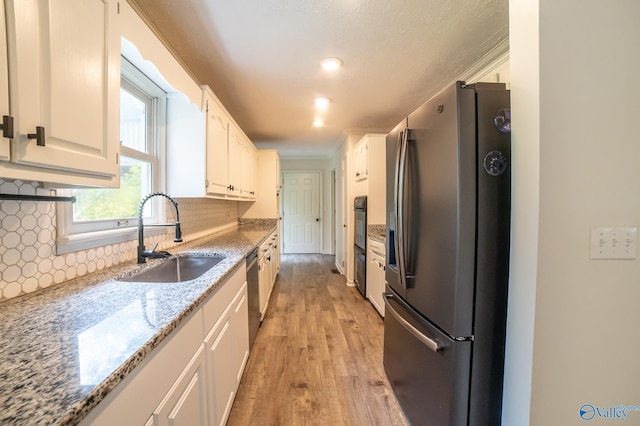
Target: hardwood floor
[317,359]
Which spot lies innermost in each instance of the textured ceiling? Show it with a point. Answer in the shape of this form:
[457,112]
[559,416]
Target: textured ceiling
[261,58]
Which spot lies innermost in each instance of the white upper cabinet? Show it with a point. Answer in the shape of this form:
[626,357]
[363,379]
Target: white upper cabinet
[370,174]
[235,160]
[4,90]
[216,146]
[64,68]
[361,160]
[207,153]
[231,160]
[267,204]
[250,165]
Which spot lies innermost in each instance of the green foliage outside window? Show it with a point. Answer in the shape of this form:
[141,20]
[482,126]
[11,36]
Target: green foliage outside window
[111,203]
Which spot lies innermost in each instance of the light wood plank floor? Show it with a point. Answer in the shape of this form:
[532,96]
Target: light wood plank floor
[317,359]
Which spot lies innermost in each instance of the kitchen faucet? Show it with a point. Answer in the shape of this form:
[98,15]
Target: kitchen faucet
[142,253]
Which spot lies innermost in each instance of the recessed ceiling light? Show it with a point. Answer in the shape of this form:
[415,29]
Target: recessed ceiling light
[331,64]
[321,102]
[318,122]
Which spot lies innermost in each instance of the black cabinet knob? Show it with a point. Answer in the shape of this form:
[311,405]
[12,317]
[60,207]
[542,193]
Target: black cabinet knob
[7,126]
[38,136]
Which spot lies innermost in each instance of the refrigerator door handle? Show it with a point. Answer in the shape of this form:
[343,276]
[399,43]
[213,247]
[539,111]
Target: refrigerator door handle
[399,198]
[427,341]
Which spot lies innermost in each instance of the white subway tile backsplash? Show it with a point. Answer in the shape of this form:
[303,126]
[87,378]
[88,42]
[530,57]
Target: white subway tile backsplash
[27,240]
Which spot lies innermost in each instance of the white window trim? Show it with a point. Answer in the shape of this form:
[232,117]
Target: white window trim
[68,241]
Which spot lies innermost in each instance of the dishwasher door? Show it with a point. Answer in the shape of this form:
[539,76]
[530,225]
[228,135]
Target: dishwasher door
[253,296]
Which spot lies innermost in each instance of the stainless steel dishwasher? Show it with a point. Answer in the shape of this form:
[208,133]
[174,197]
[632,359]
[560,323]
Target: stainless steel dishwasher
[253,295]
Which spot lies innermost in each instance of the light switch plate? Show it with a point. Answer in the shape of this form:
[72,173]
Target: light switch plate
[613,243]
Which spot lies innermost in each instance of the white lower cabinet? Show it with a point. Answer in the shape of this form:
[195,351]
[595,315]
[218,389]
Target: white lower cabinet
[376,275]
[192,377]
[186,403]
[268,268]
[263,284]
[227,351]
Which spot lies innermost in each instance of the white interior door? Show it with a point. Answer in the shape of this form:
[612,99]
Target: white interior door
[301,203]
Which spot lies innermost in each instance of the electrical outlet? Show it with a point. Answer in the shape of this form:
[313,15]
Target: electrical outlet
[613,243]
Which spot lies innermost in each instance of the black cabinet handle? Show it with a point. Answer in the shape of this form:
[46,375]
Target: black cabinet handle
[38,136]
[7,126]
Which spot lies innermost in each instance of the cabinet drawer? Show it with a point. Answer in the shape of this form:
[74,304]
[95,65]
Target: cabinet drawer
[267,244]
[377,247]
[217,302]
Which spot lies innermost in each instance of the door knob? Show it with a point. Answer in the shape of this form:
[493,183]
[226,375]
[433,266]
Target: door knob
[317,219]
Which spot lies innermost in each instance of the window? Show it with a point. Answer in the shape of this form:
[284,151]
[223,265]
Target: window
[97,211]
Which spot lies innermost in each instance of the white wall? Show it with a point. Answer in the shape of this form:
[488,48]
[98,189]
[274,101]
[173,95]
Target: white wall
[525,145]
[326,203]
[344,235]
[575,111]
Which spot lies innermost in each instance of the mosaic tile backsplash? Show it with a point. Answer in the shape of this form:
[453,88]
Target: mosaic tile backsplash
[28,231]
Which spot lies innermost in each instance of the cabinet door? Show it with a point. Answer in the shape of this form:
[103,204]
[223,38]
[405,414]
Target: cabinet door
[278,175]
[64,60]
[276,256]
[4,83]
[270,264]
[265,284]
[235,160]
[185,403]
[217,148]
[376,282]
[240,329]
[250,166]
[219,344]
[361,160]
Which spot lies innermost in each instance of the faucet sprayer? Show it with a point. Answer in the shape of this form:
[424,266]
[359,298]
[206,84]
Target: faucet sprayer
[142,253]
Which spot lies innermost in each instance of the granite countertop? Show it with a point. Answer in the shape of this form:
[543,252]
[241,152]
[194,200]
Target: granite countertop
[63,349]
[377,232]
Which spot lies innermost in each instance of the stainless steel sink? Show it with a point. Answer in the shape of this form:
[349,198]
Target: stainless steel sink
[176,269]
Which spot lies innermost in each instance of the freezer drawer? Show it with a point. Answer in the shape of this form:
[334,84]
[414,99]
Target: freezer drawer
[429,372]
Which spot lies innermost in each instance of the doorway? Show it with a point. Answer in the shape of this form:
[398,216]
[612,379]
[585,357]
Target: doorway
[301,212]
[334,211]
[345,211]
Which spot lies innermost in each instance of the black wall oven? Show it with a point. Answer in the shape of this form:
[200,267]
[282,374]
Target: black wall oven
[360,244]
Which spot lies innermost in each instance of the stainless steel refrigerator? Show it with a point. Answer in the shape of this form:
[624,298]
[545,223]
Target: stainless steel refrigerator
[448,227]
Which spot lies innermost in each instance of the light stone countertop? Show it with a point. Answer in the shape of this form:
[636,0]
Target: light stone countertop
[377,232]
[63,349]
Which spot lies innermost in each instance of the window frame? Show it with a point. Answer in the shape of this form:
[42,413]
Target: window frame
[73,236]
